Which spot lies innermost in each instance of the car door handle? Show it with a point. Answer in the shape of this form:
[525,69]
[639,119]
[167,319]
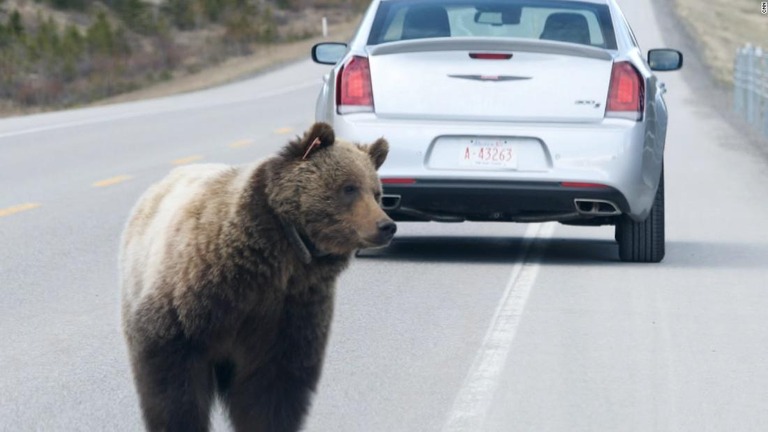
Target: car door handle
[662,87]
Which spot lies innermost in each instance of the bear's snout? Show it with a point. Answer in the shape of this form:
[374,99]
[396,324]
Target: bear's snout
[387,229]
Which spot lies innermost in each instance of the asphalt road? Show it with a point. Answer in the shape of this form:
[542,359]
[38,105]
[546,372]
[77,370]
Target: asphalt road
[497,327]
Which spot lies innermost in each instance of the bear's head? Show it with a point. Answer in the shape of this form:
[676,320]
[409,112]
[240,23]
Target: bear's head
[329,191]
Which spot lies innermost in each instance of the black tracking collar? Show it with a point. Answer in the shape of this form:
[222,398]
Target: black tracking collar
[303,246]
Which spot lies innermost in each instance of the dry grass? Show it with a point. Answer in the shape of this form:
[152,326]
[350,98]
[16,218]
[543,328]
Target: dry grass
[721,27]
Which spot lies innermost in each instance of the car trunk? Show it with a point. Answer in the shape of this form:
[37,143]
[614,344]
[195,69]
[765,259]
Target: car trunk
[438,79]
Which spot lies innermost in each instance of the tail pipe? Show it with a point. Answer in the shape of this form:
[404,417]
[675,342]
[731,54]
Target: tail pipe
[596,207]
[390,202]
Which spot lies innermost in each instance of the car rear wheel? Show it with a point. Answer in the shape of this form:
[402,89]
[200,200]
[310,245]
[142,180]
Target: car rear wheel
[643,241]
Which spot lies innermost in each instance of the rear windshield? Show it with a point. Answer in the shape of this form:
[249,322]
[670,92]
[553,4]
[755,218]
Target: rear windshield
[563,21]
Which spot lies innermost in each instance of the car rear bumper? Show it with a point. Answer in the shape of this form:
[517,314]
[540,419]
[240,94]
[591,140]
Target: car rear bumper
[622,155]
[454,201]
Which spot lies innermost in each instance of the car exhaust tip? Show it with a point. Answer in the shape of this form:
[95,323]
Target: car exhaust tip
[596,207]
[390,202]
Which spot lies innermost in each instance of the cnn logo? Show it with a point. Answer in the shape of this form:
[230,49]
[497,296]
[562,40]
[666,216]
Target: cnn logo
[764,7]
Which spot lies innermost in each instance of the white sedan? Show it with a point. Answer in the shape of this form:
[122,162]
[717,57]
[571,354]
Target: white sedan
[514,110]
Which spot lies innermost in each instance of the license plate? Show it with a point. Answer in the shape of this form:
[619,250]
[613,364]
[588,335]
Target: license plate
[488,153]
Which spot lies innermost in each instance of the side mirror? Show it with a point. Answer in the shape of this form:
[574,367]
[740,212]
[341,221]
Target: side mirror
[328,52]
[665,59]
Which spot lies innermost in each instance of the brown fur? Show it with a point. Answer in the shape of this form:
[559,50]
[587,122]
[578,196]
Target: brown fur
[218,299]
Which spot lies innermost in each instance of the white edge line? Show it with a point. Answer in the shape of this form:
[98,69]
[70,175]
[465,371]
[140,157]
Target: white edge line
[473,400]
[136,114]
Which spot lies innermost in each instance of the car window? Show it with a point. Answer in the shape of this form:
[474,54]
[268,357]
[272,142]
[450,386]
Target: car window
[574,22]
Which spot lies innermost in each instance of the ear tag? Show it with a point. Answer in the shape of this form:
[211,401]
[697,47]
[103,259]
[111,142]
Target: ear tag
[315,143]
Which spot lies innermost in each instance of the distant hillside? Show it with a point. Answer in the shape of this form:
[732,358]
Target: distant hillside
[61,53]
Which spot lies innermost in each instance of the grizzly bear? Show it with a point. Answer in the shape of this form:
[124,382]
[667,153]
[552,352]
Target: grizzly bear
[228,277]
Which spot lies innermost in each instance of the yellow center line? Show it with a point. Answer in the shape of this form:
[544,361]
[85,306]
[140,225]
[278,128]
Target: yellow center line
[111,181]
[283,131]
[18,209]
[241,143]
[187,160]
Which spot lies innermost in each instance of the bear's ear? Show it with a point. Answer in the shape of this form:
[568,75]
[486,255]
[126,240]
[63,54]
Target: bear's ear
[319,136]
[378,152]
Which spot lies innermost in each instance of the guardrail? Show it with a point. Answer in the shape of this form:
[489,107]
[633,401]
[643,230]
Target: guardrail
[750,86]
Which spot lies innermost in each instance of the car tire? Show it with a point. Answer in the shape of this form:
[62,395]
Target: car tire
[643,241]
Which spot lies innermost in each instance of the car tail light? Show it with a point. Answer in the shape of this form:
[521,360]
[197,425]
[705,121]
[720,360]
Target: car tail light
[583,185]
[353,87]
[396,180]
[626,93]
[490,56]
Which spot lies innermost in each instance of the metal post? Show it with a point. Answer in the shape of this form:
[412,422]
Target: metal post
[738,82]
[325,27]
[758,86]
[750,83]
[750,86]
[764,92]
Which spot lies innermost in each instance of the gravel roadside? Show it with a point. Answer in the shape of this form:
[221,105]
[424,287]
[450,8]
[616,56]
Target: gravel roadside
[709,60]
[721,27]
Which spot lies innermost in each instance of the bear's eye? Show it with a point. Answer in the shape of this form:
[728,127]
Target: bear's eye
[350,189]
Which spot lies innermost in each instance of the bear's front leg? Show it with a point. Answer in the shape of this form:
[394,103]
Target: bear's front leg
[276,396]
[175,386]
